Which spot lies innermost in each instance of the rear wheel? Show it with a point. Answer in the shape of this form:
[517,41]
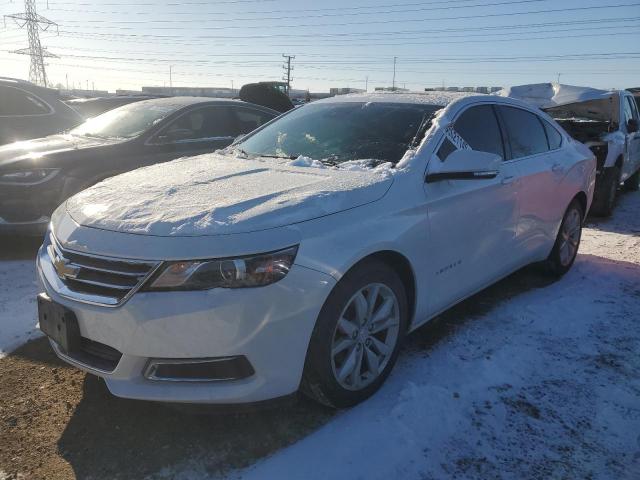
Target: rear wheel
[357,336]
[632,184]
[604,198]
[568,241]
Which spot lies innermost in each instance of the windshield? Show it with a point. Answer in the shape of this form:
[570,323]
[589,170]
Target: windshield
[127,121]
[339,132]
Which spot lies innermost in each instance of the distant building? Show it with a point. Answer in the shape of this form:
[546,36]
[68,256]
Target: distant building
[391,89]
[344,91]
[217,92]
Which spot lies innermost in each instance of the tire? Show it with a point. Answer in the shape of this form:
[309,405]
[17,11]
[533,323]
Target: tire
[567,243]
[604,198]
[632,184]
[326,376]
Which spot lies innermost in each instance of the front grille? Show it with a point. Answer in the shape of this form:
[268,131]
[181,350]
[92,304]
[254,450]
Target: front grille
[95,279]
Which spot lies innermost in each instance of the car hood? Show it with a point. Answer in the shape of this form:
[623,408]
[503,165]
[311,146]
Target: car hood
[216,194]
[548,95]
[40,150]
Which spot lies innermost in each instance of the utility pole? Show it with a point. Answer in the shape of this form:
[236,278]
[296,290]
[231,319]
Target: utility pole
[559,74]
[395,59]
[288,68]
[366,83]
[66,76]
[171,78]
[34,23]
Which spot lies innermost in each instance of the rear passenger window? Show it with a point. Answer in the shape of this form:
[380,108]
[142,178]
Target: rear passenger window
[248,120]
[554,137]
[478,126]
[526,134]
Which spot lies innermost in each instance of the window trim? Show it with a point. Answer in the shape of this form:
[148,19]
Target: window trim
[28,93]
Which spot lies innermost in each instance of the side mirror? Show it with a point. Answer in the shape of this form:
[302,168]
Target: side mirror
[465,165]
[632,125]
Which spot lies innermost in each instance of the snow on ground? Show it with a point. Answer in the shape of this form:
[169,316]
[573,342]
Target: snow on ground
[545,385]
[18,316]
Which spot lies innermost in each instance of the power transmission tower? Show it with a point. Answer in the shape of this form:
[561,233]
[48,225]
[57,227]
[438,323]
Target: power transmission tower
[288,68]
[34,23]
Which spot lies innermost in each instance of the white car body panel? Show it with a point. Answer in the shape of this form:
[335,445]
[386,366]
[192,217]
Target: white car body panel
[457,236]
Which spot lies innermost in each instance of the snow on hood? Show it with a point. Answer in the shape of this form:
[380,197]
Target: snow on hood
[547,95]
[214,194]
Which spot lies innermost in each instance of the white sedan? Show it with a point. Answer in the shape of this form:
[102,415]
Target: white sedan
[300,257]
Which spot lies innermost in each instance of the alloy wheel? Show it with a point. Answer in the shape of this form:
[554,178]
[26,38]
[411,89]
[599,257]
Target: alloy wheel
[365,336]
[570,234]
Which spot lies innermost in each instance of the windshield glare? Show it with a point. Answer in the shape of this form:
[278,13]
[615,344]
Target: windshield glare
[127,121]
[340,132]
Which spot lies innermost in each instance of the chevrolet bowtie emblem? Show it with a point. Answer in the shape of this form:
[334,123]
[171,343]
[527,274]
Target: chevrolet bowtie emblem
[64,269]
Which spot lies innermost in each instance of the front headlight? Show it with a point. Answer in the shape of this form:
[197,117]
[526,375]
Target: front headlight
[254,271]
[28,177]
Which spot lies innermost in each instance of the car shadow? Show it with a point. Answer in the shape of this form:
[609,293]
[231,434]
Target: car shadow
[109,437]
[19,247]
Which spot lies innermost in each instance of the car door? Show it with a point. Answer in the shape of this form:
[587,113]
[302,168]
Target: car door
[630,112]
[471,222]
[541,169]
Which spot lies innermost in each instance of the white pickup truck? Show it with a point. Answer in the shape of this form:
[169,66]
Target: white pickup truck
[606,121]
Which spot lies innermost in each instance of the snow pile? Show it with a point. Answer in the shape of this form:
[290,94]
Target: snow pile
[214,194]
[547,95]
[18,309]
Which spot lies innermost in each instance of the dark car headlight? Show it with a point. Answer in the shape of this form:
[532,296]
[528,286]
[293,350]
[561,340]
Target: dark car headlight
[28,177]
[242,272]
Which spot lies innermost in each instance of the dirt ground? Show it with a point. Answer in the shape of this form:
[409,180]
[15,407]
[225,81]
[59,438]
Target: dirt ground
[57,422]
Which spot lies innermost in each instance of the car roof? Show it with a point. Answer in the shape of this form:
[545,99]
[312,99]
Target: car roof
[181,102]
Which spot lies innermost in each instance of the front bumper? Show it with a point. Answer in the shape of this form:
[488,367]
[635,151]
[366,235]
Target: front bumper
[27,209]
[270,326]
[31,228]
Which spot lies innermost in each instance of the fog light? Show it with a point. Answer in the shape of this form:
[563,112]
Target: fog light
[199,369]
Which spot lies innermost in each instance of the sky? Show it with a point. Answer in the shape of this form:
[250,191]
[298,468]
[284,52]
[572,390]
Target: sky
[114,44]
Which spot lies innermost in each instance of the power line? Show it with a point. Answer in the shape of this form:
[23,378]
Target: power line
[391,21]
[320,15]
[357,34]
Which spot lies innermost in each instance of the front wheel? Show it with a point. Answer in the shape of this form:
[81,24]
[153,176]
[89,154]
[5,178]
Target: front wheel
[604,198]
[567,243]
[357,336]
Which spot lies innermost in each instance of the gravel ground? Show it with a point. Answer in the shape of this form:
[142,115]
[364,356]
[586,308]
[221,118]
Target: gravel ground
[58,423]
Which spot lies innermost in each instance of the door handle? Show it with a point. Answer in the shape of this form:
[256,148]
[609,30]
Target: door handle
[507,180]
